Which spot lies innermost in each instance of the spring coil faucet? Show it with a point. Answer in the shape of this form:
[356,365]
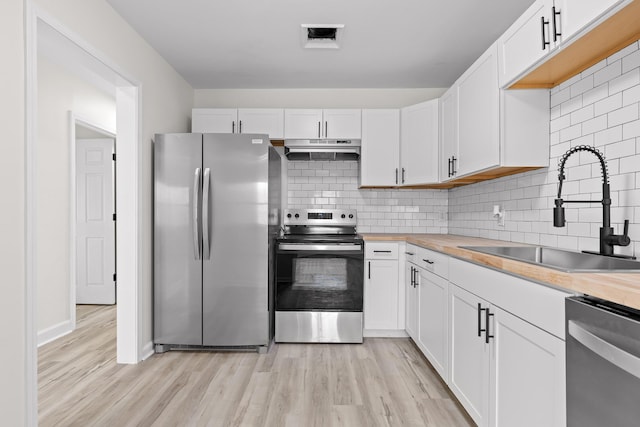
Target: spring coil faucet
[607,239]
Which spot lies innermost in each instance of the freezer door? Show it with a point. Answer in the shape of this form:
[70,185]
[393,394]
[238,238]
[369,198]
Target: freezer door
[177,281]
[235,266]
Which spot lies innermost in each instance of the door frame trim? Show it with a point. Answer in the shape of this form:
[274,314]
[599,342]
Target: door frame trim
[130,241]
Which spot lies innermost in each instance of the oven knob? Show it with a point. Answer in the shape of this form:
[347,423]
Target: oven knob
[342,216]
[297,215]
[350,216]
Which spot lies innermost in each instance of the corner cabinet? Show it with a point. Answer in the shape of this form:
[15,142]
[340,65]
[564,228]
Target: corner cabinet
[419,136]
[242,120]
[380,150]
[489,132]
[383,296]
[330,123]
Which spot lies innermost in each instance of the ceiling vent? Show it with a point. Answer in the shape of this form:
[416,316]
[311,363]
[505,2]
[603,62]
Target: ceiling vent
[322,36]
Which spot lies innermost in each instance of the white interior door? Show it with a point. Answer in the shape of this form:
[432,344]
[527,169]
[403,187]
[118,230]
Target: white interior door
[95,226]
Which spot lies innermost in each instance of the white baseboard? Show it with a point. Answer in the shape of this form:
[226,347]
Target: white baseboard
[384,333]
[54,332]
[147,350]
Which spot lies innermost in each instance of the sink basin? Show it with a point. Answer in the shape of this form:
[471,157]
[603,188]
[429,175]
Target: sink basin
[560,259]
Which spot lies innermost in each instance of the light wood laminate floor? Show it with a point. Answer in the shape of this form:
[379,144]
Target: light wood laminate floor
[383,382]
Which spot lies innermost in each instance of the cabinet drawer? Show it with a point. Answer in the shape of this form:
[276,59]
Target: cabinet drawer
[432,261]
[381,250]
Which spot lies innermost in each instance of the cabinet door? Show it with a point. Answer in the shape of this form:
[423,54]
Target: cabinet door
[448,134]
[342,124]
[419,140]
[433,319]
[469,355]
[381,295]
[302,124]
[214,120]
[478,115]
[262,120]
[577,14]
[411,302]
[527,374]
[521,46]
[380,148]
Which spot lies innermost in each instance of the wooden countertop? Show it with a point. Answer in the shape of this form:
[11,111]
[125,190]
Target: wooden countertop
[621,288]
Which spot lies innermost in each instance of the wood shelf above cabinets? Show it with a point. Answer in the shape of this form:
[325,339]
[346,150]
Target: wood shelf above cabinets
[612,34]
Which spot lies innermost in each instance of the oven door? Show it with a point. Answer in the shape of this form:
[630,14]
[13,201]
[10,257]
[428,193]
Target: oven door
[319,277]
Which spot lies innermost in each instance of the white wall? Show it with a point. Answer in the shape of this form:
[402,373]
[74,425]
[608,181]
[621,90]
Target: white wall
[166,98]
[12,225]
[312,98]
[59,92]
[599,107]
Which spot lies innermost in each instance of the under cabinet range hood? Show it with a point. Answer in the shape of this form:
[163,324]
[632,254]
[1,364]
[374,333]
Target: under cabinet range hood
[322,149]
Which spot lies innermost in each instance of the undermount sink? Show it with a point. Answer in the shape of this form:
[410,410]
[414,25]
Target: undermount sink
[560,259]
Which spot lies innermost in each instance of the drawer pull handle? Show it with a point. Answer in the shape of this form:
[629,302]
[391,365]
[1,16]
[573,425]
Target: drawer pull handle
[428,261]
[381,252]
[409,253]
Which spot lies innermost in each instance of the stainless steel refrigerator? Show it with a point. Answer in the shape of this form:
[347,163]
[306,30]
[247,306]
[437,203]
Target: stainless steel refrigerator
[216,215]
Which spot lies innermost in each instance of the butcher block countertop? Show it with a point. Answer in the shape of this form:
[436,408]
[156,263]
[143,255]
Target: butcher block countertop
[621,288]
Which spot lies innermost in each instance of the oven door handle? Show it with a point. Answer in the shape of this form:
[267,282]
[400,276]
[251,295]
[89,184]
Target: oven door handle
[319,247]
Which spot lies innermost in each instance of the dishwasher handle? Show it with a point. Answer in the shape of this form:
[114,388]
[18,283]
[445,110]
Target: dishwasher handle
[609,352]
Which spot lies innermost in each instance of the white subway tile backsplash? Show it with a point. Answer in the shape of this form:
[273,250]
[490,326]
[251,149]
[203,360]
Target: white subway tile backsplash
[601,108]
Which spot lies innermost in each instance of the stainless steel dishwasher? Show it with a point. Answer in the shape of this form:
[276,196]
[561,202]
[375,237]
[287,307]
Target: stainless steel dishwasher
[603,363]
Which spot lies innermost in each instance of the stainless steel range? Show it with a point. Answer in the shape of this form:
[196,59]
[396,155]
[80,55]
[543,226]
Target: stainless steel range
[319,277]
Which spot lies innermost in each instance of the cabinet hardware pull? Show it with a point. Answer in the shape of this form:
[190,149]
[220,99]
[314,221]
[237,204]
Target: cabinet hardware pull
[381,252]
[396,175]
[326,129]
[449,168]
[545,43]
[487,334]
[369,269]
[403,175]
[453,166]
[409,253]
[233,126]
[318,129]
[417,281]
[556,34]
[480,329]
[412,277]
[428,261]
[240,126]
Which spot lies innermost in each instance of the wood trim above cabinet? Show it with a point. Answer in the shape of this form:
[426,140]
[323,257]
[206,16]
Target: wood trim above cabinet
[613,34]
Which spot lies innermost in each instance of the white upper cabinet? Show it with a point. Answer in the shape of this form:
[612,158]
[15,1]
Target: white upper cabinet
[529,39]
[314,124]
[448,133]
[214,120]
[545,26]
[262,120]
[343,124]
[479,114]
[575,15]
[380,151]
[243,120]
[419,141]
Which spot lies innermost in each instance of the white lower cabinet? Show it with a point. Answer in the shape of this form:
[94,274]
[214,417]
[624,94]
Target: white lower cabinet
[469,361]
[433,320]
[527,374]
[383,295]
[412,299]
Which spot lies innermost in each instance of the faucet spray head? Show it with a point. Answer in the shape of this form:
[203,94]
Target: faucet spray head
[558,214]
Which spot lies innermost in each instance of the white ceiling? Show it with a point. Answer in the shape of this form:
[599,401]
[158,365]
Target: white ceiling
[258,44]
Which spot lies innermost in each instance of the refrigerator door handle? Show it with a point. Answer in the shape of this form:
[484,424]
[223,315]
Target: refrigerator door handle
[205,215]
[196,210]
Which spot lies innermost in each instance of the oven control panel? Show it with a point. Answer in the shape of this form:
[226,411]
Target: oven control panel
[327,217]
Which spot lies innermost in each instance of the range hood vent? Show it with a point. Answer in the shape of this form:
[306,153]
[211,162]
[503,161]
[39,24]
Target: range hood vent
[322,149]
